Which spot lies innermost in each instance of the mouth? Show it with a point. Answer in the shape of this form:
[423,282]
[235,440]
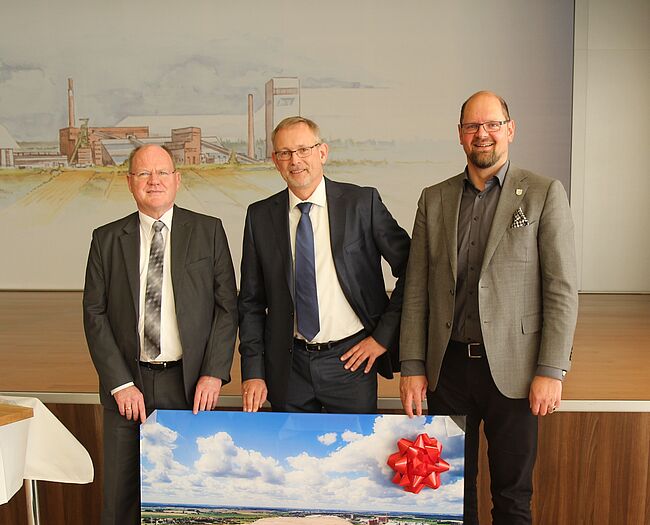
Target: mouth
[297,171]
[483,145]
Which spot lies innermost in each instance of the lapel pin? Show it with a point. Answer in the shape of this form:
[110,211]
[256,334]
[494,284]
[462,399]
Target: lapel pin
[519,191]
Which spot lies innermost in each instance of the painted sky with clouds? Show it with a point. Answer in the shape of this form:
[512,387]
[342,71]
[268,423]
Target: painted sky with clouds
[304,461]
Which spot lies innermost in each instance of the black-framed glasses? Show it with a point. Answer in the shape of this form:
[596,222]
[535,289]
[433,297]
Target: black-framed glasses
[286,154]
[491,126]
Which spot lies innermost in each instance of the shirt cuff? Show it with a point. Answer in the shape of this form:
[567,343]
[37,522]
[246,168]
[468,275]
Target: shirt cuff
[412,367]
[122,387]
[550,371]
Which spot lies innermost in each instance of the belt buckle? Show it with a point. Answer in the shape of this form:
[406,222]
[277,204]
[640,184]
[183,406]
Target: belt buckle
[469,351]
[317,347]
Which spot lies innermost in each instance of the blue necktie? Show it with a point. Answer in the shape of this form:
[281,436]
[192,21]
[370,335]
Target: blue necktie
[306,294]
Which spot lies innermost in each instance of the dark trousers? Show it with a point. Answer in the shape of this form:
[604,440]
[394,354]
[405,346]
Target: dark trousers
[466,387]
[162,389]
[319,383]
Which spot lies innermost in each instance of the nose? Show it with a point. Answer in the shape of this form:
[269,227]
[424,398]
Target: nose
[481,131]
[154,178]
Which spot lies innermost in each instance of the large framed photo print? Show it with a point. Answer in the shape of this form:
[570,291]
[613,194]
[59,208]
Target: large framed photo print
[301,469]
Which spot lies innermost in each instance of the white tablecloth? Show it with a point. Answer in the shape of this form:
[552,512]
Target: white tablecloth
[50,452]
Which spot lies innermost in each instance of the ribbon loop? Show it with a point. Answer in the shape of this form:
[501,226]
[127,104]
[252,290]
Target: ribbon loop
[418,463]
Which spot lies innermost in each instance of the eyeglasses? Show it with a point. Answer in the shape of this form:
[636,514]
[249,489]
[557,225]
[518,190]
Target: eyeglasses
[491,126]
[163,174]
[286,154]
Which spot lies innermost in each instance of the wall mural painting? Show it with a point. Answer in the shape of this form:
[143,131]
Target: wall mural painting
[83,83]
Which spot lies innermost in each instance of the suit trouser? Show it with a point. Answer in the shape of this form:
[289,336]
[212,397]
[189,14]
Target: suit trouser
[319,383]
[465,387]
[162,389]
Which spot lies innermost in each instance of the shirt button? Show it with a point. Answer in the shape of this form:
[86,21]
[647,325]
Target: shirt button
[476,218]
[448,324]
[473,243]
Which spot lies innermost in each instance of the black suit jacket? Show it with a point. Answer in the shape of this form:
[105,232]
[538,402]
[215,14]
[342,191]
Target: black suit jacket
[362,231]
[205,294]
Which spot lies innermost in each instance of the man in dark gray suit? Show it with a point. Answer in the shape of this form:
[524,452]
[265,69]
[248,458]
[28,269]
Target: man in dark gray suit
[160,316]
[316,324]
[490,305]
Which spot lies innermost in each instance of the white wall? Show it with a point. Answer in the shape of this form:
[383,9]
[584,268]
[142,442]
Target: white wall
[610,185]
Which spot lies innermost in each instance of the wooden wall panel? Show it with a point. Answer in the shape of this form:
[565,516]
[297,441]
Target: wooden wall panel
[611,348]
[592,468]
[62,503]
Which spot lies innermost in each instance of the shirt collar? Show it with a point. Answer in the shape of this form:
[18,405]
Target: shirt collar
[319,197]
[500,175]
[147,221]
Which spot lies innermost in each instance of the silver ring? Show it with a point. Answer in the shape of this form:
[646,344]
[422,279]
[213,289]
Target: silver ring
[127,408]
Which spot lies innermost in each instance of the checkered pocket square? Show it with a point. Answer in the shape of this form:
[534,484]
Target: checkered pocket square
[519,219]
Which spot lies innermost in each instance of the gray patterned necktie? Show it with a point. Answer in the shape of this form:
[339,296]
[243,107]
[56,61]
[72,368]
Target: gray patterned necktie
[153,296]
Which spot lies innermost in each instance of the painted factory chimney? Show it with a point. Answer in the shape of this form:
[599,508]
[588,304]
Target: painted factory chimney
[70,104]
[251,128]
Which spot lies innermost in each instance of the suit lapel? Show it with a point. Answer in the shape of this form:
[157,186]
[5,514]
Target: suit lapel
[336,215]
[279,211]
[509,201]
[130,242]
[180,238]
[451,194]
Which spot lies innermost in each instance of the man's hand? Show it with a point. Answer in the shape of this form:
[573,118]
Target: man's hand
[545,395]
[412,391]
[366,349]
[206,394]
[130,403]
[253,394]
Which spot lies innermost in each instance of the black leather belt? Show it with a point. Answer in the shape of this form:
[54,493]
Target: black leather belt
[160,365]
[320,347]
[473,350]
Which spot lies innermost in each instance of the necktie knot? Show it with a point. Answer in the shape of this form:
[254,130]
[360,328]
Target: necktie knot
[304,207]
[158,226]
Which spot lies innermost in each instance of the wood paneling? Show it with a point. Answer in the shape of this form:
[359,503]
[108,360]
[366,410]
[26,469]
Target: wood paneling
[61,503]
[611,351]
[591,468]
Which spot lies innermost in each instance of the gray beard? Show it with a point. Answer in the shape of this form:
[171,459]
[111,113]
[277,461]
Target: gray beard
[483,160]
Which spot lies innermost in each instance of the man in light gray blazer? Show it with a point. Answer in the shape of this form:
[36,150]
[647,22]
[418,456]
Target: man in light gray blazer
[490,305]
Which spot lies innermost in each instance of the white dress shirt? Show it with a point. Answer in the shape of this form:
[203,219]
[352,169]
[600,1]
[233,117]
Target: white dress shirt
[170,341]
[337,318]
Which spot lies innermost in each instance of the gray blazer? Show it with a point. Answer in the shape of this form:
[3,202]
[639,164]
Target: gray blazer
[528,300]
[205,294]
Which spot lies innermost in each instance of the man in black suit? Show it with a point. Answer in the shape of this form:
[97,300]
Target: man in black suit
[160,319]
[316,324]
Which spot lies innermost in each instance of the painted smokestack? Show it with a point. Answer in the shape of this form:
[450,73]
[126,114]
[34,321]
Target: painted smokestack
[70,104]
[251,128]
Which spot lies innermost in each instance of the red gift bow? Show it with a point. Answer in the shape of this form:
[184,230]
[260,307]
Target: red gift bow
[418,463]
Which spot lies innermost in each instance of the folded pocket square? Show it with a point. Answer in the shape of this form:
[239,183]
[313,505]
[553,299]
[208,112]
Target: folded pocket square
[519,219]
